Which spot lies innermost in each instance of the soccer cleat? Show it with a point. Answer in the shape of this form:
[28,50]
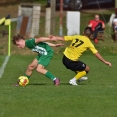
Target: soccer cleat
[56,81]
[82,79]
[16,85]
[71,82]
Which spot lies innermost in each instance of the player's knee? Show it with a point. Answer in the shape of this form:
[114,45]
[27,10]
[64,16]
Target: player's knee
[87,72]
[30,67]
[39,70]
[87,69]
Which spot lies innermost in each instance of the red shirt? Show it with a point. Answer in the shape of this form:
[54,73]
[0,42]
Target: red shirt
[95,23]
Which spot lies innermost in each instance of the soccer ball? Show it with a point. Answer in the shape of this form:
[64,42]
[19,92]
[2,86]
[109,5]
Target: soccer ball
[23,80]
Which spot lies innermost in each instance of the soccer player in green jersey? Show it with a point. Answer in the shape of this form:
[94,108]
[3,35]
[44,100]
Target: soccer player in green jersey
[72,53]
[45,53]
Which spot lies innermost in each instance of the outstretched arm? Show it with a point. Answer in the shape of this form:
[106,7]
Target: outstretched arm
[50,38]
[55,38]
[102,59]
[41,39]
[54,45]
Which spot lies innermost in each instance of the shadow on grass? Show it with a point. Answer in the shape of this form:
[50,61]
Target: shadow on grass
[48,84]
[61,84]
[42,84]
[37,84]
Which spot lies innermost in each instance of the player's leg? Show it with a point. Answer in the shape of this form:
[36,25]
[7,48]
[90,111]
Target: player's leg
[83,78]
[78,67]
[31,67]
[42,64]
[80,74]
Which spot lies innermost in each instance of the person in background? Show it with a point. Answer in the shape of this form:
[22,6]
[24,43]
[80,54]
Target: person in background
[114,24]
[45,54]
[97,25]
[110,23]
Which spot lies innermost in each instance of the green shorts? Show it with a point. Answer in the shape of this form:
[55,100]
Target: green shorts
[44,59]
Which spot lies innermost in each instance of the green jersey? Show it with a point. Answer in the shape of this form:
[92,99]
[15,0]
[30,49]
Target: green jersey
[41,48]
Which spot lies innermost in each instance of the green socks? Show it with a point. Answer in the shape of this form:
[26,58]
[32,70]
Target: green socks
[49,75]
[27,76]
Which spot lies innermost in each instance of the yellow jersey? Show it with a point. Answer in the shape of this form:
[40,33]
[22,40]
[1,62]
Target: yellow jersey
[78,45]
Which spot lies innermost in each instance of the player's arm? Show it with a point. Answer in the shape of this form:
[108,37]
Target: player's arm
[102,59]
[54,45]
[55,38]
[51,38]
[41,39]
[96,53]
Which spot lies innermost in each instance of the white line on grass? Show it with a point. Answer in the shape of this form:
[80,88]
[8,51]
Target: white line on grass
[3,66]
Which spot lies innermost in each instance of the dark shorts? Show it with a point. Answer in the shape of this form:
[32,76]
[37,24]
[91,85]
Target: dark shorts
[73,65]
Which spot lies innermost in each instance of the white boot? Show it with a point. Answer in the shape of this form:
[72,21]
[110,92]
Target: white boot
[82,79]
[72,82]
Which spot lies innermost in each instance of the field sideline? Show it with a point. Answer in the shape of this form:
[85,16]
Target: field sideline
[94,97]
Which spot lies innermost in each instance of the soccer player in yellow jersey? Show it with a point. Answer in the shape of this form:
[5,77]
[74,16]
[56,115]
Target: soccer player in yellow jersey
[72,53]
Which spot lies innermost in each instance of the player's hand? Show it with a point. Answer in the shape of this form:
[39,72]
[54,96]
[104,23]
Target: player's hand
[50,36]
[108,63]
[53,38]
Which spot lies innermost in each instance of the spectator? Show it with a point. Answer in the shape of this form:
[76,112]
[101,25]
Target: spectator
[110,23]
[97,25]
[114,24]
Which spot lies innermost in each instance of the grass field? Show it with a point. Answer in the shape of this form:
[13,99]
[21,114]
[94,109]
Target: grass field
[95,97]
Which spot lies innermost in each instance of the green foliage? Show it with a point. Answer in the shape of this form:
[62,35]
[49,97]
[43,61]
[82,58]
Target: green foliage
[107,47]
